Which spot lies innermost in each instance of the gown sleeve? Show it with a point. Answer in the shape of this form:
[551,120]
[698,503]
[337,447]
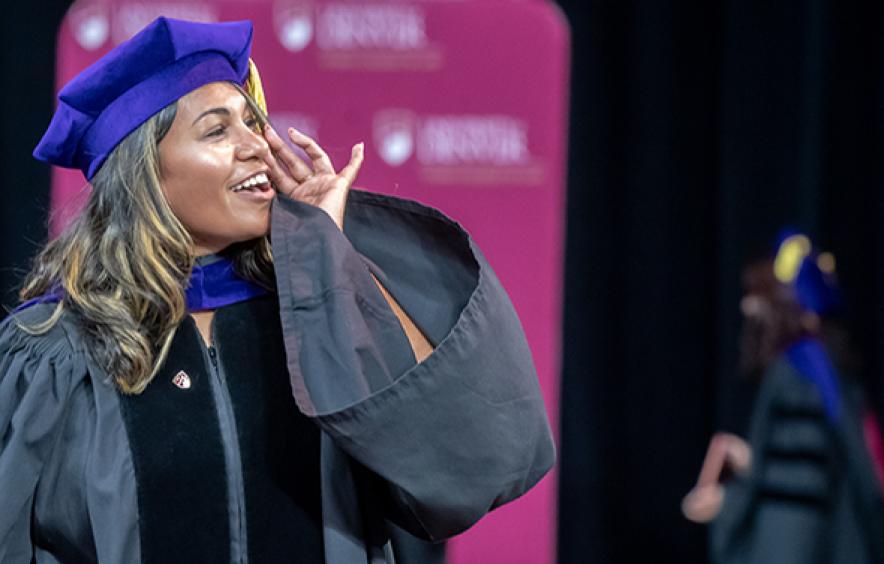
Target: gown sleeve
[37,374]
[460,433]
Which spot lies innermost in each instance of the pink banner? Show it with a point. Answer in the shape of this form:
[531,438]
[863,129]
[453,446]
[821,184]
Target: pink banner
[462,105]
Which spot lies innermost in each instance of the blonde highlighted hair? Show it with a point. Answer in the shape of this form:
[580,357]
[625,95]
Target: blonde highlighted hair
[122,265]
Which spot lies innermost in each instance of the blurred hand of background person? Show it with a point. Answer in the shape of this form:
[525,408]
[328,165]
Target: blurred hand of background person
[728,454]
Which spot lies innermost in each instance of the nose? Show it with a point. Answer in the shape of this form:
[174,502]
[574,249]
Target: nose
[251,145]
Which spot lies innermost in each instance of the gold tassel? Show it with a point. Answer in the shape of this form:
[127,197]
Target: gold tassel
[790,256]
[254,88]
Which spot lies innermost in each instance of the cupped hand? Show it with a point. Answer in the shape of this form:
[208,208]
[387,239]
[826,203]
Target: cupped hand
[317,183]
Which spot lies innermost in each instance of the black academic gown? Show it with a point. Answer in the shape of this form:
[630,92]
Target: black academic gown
[307,429]
[811,496]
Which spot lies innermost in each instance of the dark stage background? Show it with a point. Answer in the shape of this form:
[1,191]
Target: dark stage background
[698,129]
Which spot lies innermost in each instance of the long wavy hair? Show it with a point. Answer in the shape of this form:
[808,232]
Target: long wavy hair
[121,267]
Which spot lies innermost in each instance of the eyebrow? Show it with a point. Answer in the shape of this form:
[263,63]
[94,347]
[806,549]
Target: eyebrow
[218,111]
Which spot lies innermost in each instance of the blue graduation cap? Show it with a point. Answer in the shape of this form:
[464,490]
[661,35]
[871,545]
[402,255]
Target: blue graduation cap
[812,276]
[810,273]
[123,89]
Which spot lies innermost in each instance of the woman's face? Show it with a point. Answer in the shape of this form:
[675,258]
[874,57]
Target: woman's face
[213,147]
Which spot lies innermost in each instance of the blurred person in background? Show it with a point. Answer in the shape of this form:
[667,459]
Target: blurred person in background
[806,487]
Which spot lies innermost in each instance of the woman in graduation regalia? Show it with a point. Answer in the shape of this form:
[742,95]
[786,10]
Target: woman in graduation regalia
[805,490]
[174,388]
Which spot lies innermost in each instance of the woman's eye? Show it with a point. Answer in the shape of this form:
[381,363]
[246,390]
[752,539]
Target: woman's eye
[252,123]
[216,132]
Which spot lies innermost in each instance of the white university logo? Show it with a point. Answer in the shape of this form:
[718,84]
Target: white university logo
[90,26]
[294,25]
[394,135]
[306,124]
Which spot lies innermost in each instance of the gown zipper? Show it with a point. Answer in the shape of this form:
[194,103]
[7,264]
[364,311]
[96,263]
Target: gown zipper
[232,457]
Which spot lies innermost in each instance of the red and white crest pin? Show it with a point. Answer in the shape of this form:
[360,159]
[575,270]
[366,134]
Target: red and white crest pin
[182,380]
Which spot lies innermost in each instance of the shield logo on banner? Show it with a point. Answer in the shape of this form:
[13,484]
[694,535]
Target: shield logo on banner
[394,135]
[90,26]
[305,123]
[294,26]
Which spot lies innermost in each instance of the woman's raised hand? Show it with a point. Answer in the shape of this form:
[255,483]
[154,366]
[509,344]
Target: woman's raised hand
[316,183]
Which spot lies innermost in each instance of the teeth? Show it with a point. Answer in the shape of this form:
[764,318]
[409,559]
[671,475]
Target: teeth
[251,182]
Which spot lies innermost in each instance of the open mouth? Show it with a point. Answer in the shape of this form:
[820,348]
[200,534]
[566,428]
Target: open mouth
[258,183]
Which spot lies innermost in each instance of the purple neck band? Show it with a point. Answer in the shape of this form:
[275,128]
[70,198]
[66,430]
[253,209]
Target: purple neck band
[213,284]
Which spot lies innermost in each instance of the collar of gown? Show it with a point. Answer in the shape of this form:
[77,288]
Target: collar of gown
[214,284]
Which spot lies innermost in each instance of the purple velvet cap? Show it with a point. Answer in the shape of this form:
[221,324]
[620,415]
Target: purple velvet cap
[113,96]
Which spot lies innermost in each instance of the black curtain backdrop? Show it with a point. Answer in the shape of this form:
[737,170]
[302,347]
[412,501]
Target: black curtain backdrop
[697,130]
[27,56]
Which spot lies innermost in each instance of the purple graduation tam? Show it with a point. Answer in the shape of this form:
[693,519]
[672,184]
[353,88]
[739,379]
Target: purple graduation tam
[809,273]
[116,94]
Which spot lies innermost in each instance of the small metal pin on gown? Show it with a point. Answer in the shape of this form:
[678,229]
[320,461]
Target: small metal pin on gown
[182,380]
